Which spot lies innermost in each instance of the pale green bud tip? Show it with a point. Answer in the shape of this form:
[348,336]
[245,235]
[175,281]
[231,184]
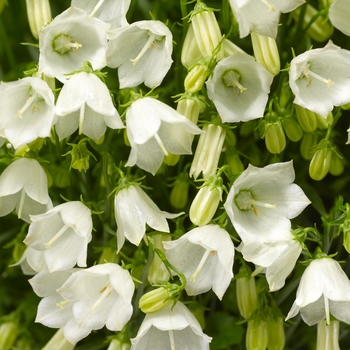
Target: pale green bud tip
[256,337]
[247,298]
[155,300]
[179,194]
[321,161]
[39,14]
[196,78]
[328,335]
[275,334]
[8,335]
[275,139]
[306,119]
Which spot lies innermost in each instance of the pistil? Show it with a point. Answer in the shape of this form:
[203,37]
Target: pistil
[28,103]
[201,263]
[56,236]
[147,46]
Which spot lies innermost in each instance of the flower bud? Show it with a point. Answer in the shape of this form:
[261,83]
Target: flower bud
[190,108]
[118,344]
[321,161]
[328,335]
[230,48]
[308,144]
[346,240]
[8,334]
[256,337]
[275,334]
[157,272]
[337,165]
[196,77]
[247,297]
[39,13]
[171,159]
[275,139]
[323,123]
[320,29]
[206,29]
[157,299]
[80,156]
[234,161]
[59,342]
[266,52]
[208,151]
[179,193]
[190,53]
[292,129]
[306,118]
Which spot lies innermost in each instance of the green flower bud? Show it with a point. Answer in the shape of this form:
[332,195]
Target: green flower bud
[292,129]
[206,29]
[196,78]
[247,297]
[306,118]
[8,334]
[58,341]
[337,165]
[229,48]
[308,144]
[171,159]
[275,334]
[206,202]
[275,139]
[39,13]
[190,53]
[320,30]
[321,161]
[158,299]
[234,161]
[157,272]
[190,108]
[266,52]
[328,335]
[256,337]
[346,239]
[323,123]
[179,193]
[80,156]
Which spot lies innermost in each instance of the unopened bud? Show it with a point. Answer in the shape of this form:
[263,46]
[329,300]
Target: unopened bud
[328,335]
[275,139]
[306,118]
[266,52]
[39,14]
[171,159]
[308,144]
[229,48]
[8,334]
[58,341]
[323,123]
[292,129]
[321,161]
[190,108]
[190,53]
[256,337]
[275,334]
[196,77]
[337,165]
[179,193]
[157,299]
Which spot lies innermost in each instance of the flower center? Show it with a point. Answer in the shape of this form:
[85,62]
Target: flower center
[63,44]
[152,41]
[244,200]
[310,74]
[232,78]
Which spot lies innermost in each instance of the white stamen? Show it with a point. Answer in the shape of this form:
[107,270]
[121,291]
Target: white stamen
[264,205]
[21,203]
[29,101]
[161,144]
[269,6]
[172,340]
[81,118]
[106,291]
[257,271]
[70,45]
[308,73]
[147,46]
[98,5]
[201,263]
[326,307]
[56,236]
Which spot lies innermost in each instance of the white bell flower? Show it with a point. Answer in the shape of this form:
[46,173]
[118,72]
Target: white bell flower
[69,40]
[32,262]
[133,210]
[261,16]
[84,103]
[276,259]
[205,256]
[23,187]
[239,88]
[154,130]
[147,60]
[319,78]
[339,13]
[262,201]
[324,289]
[109,11]
[62,234]
[27,110]
[100,296]
[170,328]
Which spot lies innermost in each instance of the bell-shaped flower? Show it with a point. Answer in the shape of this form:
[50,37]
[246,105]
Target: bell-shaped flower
[23,187]
[324,289]
[261,16]
[69,40]
[319,78]
[142,51]
[62,234]
[27,110]
[84,103]
[32,262]
[133,210]
[239,88]
[205,256]
[339,13]
[170,328]
[262,201]
[109,11]
[154,128]
[100,295]
[276,259]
